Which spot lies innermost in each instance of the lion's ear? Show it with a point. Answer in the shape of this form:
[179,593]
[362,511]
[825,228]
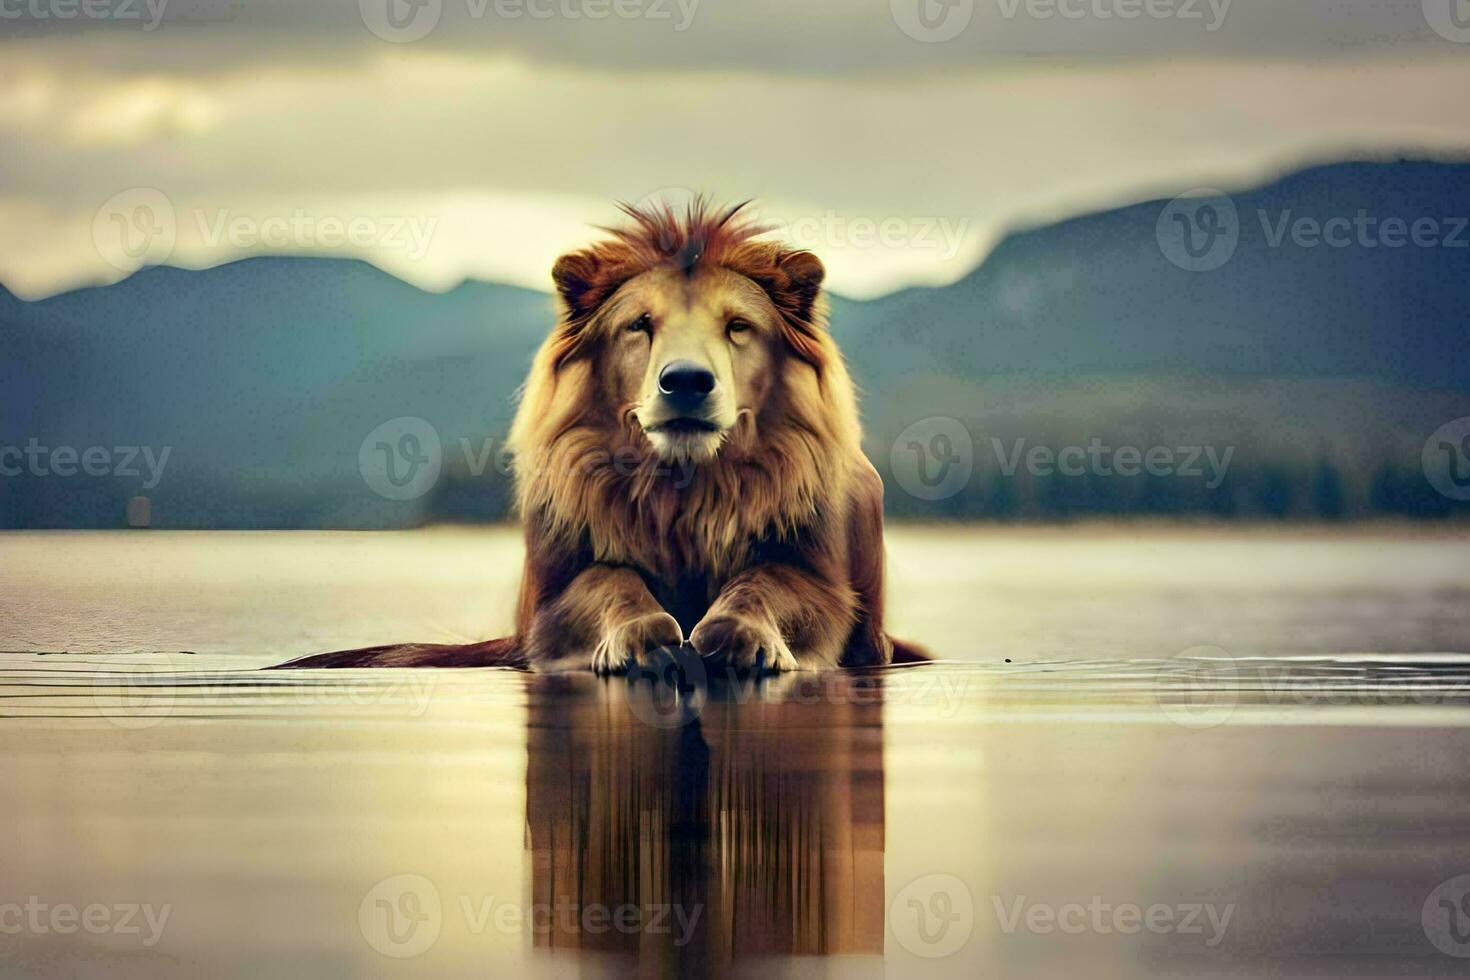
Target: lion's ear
[802,273]
[575,275]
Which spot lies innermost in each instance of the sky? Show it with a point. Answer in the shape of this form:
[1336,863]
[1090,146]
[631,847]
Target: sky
[452,139]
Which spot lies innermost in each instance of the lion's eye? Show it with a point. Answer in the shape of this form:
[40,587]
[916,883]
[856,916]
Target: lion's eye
[736,326]
[644,324]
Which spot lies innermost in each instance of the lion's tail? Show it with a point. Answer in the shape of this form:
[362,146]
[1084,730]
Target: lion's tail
[908,653]
[502,652]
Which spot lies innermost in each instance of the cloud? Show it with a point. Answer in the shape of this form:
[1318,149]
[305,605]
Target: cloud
[816,37]
[893,182]
[139,111]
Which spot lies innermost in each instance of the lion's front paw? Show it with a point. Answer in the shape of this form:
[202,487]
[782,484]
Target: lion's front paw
[744,642]
[635,640]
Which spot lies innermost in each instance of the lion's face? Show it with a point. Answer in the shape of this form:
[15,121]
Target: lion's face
[707,339]
[690,354]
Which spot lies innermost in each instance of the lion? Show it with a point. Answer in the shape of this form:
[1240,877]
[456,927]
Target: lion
[688,466]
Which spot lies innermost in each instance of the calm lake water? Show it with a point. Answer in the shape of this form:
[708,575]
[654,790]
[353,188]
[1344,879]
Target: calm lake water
[1211,753]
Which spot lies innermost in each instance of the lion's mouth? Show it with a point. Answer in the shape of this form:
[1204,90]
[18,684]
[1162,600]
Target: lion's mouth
[685,426]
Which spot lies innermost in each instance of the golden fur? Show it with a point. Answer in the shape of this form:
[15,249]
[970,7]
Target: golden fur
[758,539]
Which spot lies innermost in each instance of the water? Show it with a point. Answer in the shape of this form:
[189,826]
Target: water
[1213,753]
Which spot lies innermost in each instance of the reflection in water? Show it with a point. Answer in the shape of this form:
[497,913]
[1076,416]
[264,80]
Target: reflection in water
[752,829]
[1293,816]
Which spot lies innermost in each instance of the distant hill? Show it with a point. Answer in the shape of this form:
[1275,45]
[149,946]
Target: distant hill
[1323,370]
[263,376]
[1326,367]
[1096,295]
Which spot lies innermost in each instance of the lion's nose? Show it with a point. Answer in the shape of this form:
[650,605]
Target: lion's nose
[685,383]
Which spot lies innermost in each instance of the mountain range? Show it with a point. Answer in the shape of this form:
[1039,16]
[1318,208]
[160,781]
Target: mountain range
[1321,362]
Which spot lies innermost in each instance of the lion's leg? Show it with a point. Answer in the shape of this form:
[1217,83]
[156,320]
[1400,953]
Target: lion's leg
[605,619]
[783,617]
[867,646]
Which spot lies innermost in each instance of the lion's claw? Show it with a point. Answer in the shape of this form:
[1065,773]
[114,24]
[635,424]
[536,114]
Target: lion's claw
[743,642]
[636,640]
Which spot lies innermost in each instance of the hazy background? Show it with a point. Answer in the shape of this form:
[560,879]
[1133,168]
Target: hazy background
[344,214]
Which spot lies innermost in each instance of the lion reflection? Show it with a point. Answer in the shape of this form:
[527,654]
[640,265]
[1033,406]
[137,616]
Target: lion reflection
[752,830]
